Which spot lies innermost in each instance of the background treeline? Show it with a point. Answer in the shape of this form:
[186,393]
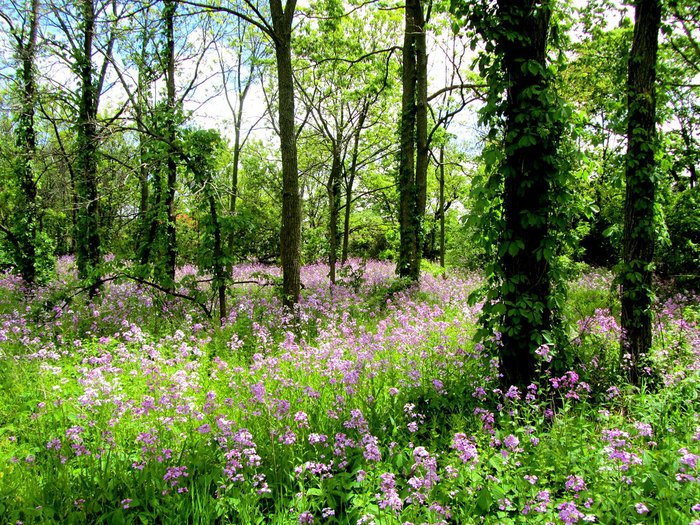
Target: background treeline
[170,132]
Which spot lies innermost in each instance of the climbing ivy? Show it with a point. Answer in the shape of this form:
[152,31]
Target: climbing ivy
[523,199]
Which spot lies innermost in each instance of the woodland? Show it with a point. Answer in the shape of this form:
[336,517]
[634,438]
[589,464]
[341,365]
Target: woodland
[354,262]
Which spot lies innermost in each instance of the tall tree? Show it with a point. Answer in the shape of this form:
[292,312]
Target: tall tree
[87,140]
[170,136]
[527,124]
[342,74]
[248,52]
[277,26]
[413,156]
[640,193]
[23,231]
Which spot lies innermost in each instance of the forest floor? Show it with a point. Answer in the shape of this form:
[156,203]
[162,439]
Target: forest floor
[371,403]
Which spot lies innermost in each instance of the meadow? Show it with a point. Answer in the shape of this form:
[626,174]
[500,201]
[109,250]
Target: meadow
[370,404]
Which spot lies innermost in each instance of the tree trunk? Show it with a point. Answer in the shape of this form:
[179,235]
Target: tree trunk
[170,138]
[87,235]
[442,206]
[527,169]
[290,235]
[219,270]
[350,180]
[25,227]
[333,190]
[407,191]
[639,230]
[413,160]
[141,104]
[422,152]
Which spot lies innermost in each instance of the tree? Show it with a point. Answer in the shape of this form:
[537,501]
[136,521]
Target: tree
[200,155]
[640,194]
[23,234]
[277,26]
[527,122]
[87,141]
[413,131]
[247,67]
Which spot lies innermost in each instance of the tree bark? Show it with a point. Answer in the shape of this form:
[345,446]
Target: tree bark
[290,235]
[640,194]
[442,206]
[350,179]
[170,138]
[333,191]
[87,216]
[413,155]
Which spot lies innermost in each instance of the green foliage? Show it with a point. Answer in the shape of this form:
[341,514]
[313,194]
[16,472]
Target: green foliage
[682,257]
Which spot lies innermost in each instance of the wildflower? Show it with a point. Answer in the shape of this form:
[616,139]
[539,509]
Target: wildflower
[688,459]
[389,497]
[466,449]
[513,393]
[545,353]
[305,518]
[125,503]
[174,474]
[641,508]
[643,429]
[575,484]
[511,442]
[371,452]
[569,513]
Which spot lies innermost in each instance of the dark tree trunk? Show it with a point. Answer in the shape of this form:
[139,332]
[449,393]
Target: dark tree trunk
[529,165]
[170,138]
[141,105]
[333,191]
[413,155]
[290,235]
[639,230]
[87,235]
[219,270]
[442,206]
[25,224]
[407,192]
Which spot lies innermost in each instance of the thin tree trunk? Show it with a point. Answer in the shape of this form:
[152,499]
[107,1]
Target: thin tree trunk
[639,229]
[219,271]
[442,206]
[350,180]
[141,102]
[333,190]
[171,135]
